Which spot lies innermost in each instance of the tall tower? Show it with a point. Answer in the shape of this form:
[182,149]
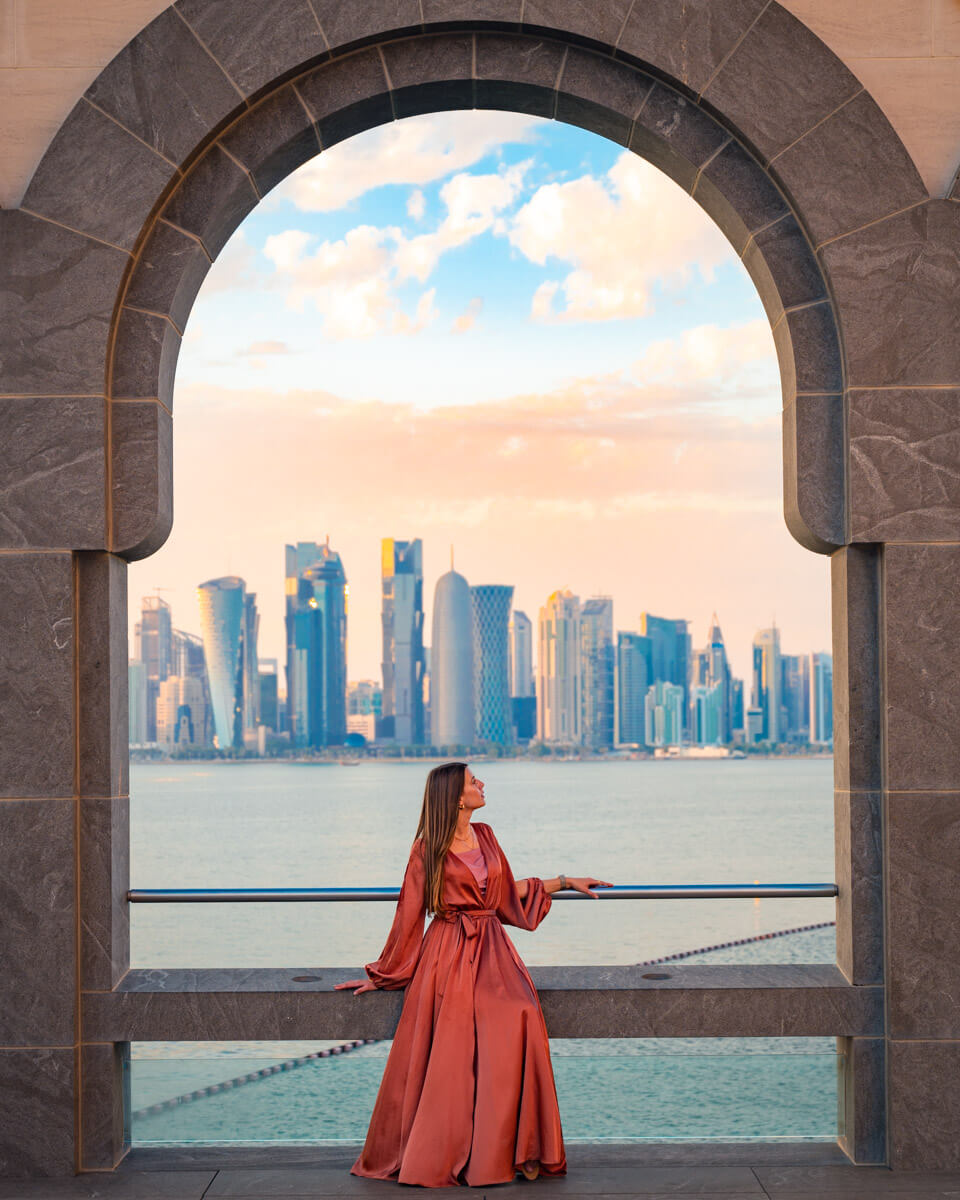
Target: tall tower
[223,625]
[403,658]
[493,718]
[669,652]
[598,668]
[634,677]
[521,654]
[558,670]
[316,624]
[767,682]
[711,676]
[154,635]
[451,663]
[821,699]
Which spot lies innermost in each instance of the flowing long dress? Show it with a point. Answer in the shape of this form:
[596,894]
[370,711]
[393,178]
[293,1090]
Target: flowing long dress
[468,1093]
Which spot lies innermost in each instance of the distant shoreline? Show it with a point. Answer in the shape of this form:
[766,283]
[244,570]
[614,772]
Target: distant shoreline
[546,759]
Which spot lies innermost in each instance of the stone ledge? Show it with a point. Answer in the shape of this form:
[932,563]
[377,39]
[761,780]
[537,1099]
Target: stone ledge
[695,1001]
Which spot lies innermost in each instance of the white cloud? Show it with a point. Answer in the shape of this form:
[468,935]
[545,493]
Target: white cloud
[623,235]
[351,282]
[472,203]
[707,352]
[416,205]
[414,151]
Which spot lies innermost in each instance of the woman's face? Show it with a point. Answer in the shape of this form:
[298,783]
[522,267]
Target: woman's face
[472,796]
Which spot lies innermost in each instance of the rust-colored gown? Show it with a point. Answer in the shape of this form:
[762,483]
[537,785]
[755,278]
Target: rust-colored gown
[468,1092]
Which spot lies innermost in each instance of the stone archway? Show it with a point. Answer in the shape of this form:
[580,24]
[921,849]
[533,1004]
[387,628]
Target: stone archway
[210,106]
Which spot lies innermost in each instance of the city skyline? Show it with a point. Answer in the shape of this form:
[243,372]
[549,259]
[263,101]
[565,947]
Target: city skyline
[513,384]
[595,686]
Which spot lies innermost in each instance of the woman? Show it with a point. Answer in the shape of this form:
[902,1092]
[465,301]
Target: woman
[467,1095]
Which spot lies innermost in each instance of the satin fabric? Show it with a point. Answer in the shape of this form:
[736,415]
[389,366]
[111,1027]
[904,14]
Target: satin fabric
[468,1093]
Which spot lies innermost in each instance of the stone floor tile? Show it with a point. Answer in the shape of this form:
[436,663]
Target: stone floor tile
[851,1181]
[133,1185]
[594,1180]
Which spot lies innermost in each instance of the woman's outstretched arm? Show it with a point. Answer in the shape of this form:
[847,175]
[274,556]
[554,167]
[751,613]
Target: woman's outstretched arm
[398,960]
[578,883]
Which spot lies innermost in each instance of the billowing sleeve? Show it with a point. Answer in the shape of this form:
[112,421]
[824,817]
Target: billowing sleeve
[528,912]
[396,964]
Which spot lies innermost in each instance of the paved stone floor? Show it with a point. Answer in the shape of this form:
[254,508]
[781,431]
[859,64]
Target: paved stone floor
[654,1172]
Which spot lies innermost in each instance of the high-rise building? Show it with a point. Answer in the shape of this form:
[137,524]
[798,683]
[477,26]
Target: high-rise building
[664,708]
[710,669]
[189,662]
[401,565]
[598,670]
[492,714]
[767,676]
[821,699]
[706,713]
[521,654]
[669,653]
[137,701]
[559,681]
[738,720]
[227,623]
[316,628]
[795,696]
[268,693]
[634,678]
[451,663]
[181,715]
[154,648]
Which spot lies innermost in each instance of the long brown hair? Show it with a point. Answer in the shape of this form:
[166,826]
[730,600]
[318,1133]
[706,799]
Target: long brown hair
[438,824]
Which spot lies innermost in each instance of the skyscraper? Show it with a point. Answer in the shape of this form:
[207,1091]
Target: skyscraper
[316,626]
[268,680]
[706,712]
[401,566]
[521,654]
[559,679]
[821,699]
[669,653]
[226,618]
[634,677]
[492,715]
[767,681]
[154,644]
[795,696]
[598,670]
[451,663]
[664,708]
[189,662]
[710,669]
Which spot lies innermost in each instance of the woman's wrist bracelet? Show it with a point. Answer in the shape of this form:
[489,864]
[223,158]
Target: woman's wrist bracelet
[563,883]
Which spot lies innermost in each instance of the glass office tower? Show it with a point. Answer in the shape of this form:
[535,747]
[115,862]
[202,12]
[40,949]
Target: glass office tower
[492,713]
[403,663]
[316,628]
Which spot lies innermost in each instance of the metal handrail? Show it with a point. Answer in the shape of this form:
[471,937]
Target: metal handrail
[648,891]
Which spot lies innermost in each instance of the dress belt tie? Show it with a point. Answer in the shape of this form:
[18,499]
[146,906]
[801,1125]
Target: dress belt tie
[469,919]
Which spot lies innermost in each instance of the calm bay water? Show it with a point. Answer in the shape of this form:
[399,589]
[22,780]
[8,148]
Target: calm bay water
[287,825]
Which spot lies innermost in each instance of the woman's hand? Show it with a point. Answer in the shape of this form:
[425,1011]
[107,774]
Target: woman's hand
[360,985]
[584,885]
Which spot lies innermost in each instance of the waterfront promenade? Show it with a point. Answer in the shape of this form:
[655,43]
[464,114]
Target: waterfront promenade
[727,1171]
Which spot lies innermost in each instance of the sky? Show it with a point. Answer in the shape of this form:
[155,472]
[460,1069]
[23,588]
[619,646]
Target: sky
[512,339]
